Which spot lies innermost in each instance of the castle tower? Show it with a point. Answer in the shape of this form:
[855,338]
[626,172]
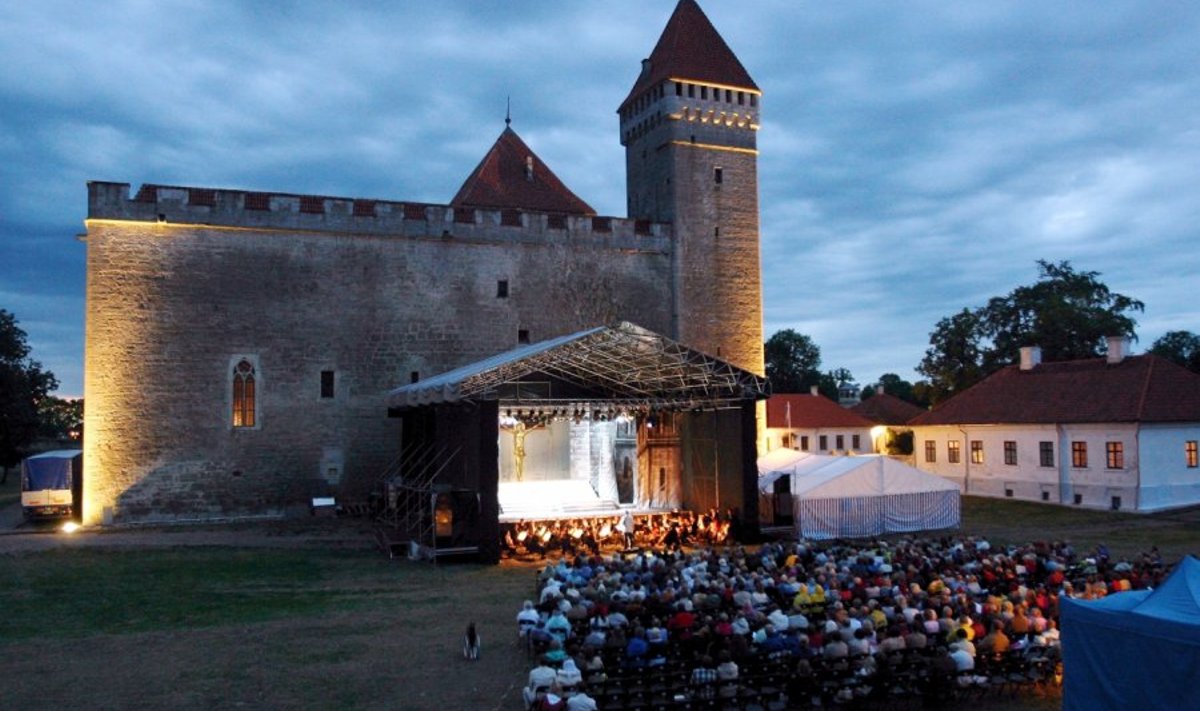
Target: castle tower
[689,129]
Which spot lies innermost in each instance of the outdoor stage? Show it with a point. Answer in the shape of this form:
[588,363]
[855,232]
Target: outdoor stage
[558,499]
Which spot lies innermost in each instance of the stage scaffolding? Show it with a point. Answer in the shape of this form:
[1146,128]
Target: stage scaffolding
[407,523]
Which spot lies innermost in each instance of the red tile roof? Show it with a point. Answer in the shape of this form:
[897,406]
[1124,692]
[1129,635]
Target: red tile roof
[810,411]
[511,176]
[1143,388]
[691,48]
[885,409]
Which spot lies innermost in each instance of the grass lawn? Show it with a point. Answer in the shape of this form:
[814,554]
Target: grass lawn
[311,627]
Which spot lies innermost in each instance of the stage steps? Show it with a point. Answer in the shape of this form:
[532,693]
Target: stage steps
[563,498]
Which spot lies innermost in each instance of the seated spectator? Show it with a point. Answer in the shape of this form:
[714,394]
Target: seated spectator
[558,626]
[727,676]
[569,676]
[555,655]
[835,647]
[704,677]
[580,701]
[995,642]
[527,619]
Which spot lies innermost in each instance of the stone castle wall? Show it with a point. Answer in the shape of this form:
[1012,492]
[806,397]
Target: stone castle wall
[185,282]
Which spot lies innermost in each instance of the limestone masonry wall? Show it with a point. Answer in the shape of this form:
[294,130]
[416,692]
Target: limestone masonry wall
[183,283]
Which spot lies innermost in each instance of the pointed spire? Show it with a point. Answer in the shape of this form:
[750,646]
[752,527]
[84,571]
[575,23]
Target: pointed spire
[512,177]
[507,111]
[690,48]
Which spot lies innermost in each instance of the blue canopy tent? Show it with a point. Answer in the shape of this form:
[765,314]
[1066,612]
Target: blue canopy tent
[1137,649]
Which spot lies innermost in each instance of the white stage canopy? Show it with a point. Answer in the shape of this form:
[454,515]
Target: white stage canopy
[859,496]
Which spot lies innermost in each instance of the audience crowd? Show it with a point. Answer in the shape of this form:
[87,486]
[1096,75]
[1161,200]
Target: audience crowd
[686,621]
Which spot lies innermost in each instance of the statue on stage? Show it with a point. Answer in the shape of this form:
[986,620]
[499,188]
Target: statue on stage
[519,430]
[518,433]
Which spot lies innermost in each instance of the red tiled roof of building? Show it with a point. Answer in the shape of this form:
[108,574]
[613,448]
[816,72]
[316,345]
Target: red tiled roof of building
[691,48]
[885,409]
[511,176]
[1143,388]
[799,411]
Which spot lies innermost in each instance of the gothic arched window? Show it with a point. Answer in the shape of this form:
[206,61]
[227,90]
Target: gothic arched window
[243,394]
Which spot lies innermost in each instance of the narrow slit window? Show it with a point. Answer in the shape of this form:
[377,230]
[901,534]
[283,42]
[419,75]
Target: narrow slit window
[718,175]
[326,384]
[502,289]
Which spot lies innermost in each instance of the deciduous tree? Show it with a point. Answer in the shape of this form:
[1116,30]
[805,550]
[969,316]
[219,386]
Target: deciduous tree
[23,384]
[793,362]
[1182,347]
[1067,313]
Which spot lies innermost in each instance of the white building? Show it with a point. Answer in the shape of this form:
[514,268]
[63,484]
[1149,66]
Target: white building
[814,423]
[1117,432]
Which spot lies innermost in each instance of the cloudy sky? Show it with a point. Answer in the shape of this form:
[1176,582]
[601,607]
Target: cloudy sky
[916,158]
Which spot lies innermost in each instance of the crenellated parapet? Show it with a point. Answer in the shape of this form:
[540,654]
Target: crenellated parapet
[286,212]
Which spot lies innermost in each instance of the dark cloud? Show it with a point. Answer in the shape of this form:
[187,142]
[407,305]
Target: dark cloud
[916,157]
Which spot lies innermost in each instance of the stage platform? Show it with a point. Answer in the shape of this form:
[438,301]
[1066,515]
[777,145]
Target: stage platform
[564,498]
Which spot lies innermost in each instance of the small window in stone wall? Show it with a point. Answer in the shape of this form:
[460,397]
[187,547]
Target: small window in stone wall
[326,383]
[522,335]
[244,395]
[556,222]
[364,208]
[601,224]
[718,175]
[510,218]
[502,289]
[414,376]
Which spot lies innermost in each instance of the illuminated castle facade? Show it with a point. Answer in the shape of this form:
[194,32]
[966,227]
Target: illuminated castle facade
[239,344]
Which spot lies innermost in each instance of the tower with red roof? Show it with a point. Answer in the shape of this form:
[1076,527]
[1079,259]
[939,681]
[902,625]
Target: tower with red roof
[689,126]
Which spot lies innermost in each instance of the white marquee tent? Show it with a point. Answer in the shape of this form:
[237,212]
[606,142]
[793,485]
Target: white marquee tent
[856,496]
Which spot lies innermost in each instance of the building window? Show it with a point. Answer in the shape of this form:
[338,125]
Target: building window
[243,394]
[953,452]
[823,442]
[1079,455]
[1046,453]
[704,92]
[502,289]
[930,450]
[691,91]
[414,376]
[326,383]
[855,442]
[678,88]
[1189,448]
[522,335]
[1114,455]
[718,175]
[803,443]
[976,451]
[1010,452]
[741,98]
[841,441]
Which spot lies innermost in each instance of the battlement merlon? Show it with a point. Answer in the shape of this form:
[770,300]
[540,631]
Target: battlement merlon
[271,211]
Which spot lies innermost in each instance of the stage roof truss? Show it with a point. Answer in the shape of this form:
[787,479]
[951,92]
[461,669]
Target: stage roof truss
[624,363]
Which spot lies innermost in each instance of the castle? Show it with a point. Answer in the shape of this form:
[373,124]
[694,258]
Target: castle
[239,345]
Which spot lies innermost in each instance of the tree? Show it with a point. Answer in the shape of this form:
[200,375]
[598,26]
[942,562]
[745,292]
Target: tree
[792,362]
[954,360]
[23,384]
[1182,347]
[1068,314]
[60,419]
[893,385]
